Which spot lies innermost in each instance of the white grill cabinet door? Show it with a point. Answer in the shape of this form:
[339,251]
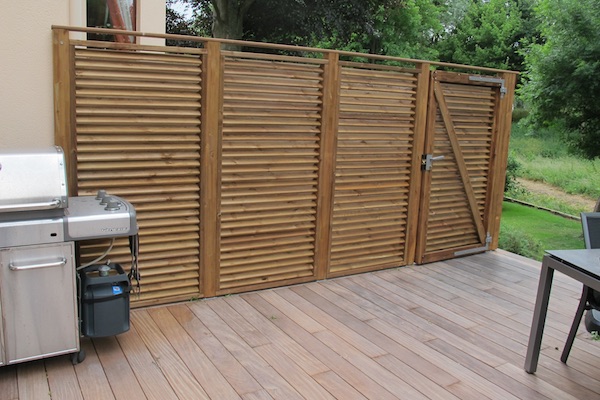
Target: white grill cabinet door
[39,305]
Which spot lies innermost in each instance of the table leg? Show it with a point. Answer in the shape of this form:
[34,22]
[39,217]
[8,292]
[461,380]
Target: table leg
[539,318]
[575,324]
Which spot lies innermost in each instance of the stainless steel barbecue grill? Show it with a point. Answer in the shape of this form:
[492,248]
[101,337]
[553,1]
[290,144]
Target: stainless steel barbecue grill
[39,226]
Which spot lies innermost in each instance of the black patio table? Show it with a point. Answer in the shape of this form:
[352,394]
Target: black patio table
[582,265]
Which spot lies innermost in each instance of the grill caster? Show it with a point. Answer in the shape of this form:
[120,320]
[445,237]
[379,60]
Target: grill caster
[78,357]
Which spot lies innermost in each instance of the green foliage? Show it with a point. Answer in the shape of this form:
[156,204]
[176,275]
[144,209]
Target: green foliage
[407,28]
[529,231]
[518,114]
[199,24]
[490,34]
[544,157]
[562,84]
[393,27]
[519,243]
[556,203]
[512,171]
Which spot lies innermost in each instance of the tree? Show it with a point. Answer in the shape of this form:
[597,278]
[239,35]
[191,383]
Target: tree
[228,18]
[562,85]
[218,18]
[393,27]
[490,34]
[176,22]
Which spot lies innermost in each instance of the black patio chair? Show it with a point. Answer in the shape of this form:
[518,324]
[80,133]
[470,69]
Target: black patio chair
[590,298]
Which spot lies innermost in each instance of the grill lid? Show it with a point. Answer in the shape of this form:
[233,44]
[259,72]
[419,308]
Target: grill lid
[33,180]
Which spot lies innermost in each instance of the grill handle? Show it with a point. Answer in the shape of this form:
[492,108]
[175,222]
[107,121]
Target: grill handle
[31,206]
[59,263]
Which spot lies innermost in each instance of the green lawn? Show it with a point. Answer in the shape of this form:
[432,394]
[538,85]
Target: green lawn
[545,157]
[531,231]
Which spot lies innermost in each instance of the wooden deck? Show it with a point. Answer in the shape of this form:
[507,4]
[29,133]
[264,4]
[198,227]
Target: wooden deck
[447,330]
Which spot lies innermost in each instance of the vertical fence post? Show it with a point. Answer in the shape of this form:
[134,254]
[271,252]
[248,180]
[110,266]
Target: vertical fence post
[210,169]
[64,98]
[414,197]
[498,168]
[327,155]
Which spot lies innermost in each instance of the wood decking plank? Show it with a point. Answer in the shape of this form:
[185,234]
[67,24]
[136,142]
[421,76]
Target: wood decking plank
[215,385]
[506,387]
[151,378]
[176,372]
[229,366]
[296,376]
[333,318]
[61,379]
[8,383]
[91,375]
[269,379]
[32,382]
[369,367]
[456,329]
[120,376]
[289,347]
[337,386]
[428,370]
[350,373]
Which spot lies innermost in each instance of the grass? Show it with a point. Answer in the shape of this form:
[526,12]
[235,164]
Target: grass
[550,202]
[529,231]
[545,157]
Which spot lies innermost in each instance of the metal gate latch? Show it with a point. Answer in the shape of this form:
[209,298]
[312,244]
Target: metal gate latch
[427,159]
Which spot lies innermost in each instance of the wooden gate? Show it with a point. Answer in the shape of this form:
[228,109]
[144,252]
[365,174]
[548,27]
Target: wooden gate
[458,183]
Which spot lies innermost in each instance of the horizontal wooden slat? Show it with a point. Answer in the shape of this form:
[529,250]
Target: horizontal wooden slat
[138,120]
[375,138]
[138,124]
[450,222]
[271,126]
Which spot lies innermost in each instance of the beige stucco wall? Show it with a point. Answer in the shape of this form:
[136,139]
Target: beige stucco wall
[26,100]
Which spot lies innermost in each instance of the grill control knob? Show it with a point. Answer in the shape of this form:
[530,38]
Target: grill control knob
[101,195]
[112,205]
[105,200]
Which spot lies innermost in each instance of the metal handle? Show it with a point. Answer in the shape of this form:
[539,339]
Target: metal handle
[427,159]
[59,263]
[32,206]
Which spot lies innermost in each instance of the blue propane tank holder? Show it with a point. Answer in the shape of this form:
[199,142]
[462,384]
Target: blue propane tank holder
[104,300]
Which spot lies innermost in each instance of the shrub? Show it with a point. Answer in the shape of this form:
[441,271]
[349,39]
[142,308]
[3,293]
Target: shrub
[512,171]
[519,113]
[519,243]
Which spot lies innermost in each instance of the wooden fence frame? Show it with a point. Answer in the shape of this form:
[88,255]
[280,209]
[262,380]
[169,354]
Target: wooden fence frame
[211,135]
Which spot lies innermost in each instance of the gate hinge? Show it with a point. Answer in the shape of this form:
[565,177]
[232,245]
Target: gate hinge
[427,159]
[503,90]
[488,241]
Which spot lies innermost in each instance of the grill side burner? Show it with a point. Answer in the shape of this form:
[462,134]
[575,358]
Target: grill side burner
[39,226]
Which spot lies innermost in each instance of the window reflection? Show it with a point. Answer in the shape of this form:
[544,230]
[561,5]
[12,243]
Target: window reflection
[115,14]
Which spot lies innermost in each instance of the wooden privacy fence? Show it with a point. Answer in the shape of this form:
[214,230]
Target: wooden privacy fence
[251,170]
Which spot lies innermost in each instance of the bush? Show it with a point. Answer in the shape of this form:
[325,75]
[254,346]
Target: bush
[518,114]
[519,243]
[512,171]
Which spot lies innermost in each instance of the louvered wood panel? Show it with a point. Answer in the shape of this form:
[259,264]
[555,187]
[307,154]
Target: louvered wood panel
[373,165]
[271,127]
[137,136]
[452,222]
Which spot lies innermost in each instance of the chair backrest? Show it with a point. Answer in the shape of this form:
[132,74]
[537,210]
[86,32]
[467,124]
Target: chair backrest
[591,229]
